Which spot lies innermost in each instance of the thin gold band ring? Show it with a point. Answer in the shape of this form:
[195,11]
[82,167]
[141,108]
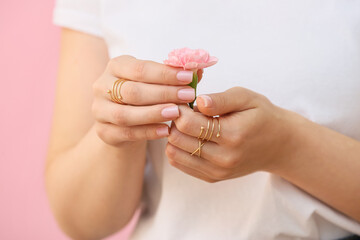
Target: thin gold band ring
[115,93]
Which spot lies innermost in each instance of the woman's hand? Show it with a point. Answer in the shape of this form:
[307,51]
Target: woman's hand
[150,96]
[255,135]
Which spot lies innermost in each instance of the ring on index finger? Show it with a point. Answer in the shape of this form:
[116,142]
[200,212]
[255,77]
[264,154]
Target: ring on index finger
[115,93]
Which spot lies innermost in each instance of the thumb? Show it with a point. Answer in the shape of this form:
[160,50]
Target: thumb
[232,100]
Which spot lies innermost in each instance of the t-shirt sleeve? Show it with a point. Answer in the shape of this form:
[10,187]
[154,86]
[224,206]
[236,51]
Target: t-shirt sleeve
[80,15]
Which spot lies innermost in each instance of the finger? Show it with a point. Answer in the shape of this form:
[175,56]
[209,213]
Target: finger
[209,150]
[234,99]
[137,93]
[196,109]
[190,123]
[180,157]
[115,135]
[192,172]
[125,115]
[128,67]
[217,155]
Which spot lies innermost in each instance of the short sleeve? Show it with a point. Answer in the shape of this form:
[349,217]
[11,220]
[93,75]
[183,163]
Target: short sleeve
[80,15]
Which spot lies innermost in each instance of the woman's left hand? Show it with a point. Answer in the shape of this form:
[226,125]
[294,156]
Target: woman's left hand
[255,135]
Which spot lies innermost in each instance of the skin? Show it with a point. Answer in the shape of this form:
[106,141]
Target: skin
[96,154]
[255,136]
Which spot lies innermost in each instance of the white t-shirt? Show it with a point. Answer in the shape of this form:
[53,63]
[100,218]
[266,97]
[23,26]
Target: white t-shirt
[304,55]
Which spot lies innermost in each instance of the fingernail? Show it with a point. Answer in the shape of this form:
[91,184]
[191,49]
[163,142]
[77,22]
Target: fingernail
[162,132]
[170,112]
[187,94]
[185,76]
[206,99]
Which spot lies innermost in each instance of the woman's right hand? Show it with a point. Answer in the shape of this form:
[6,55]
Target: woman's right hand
[151,94]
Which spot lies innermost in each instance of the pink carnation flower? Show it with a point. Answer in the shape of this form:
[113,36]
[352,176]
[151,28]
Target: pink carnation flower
[190,59]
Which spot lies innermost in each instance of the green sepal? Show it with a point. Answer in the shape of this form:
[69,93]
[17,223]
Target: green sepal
[193,84]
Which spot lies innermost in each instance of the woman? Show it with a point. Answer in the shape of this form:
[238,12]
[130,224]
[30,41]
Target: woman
[286,88]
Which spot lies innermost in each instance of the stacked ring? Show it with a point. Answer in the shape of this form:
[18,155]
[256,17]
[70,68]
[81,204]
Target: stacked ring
[219,127]
[115,94]
[205,138]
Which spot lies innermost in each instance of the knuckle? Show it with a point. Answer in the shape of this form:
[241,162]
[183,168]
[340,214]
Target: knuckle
[262,99]
[228,161]
[183,124]
[111,139]
[120,59]
[119,117]
[172,162]
[154,116]
[222,101]
[100,131]
[139,69]
[104,134]
[95,87]
[235,140]
[220,174]
[164,95]
[123,58]
[174,137]
[165,74]
[131,93]
[116,62]
[232,140]
[94,109]
[129,134]
[149,133]
[238,90]
[170,153]
[247,94]
[112,63]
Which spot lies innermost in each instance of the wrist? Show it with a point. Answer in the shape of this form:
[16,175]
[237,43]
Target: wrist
[295,129]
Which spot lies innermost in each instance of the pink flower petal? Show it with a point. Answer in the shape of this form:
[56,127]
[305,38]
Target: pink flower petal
[190,58]
[191,65]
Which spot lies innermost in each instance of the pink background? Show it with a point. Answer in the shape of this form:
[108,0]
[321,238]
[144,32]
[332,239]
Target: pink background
[29,45]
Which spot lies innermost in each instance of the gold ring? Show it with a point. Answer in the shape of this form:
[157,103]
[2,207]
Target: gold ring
[198,149]
[115,94]
[207,130]
[201,131]
[204,139]
[212,130]
[219,127]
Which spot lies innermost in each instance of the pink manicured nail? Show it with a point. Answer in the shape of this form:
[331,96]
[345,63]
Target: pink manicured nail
[206,99]
[162,132]
[187,94]
[185,76]
[170,112]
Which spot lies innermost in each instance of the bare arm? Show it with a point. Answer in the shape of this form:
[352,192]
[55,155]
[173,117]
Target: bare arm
[256,135]
[325,164]
[93,187]
[96,156]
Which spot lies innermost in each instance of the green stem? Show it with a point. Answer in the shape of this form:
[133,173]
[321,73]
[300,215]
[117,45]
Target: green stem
[193,84]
